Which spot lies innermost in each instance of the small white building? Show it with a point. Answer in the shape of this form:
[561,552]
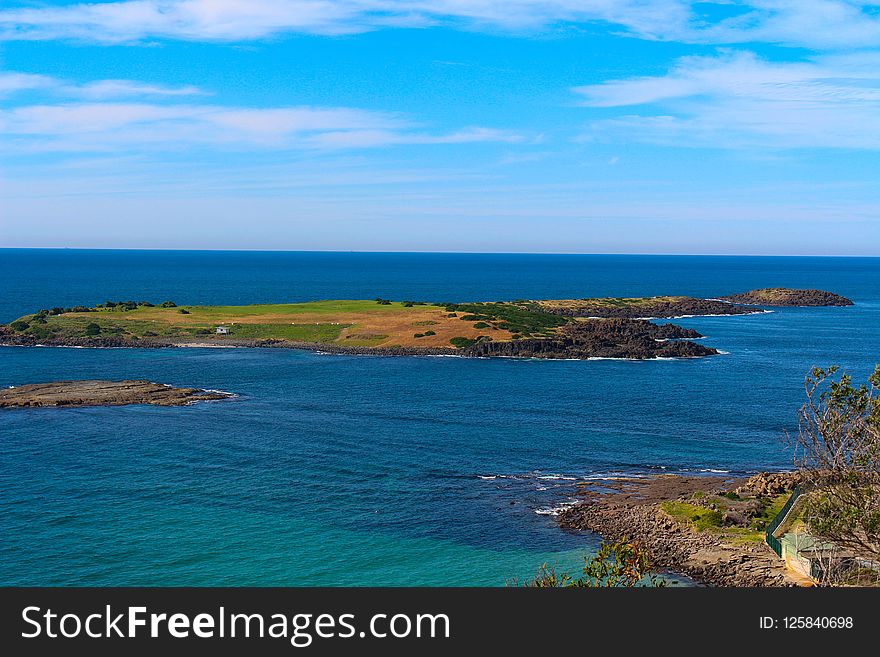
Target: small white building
[222,330]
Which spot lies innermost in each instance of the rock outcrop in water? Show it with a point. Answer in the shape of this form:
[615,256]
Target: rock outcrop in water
[602,338]
[103,393]
[781,296]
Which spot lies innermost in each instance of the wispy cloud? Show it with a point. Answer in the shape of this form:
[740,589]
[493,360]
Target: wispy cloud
[232,20]
[813,23]
[737,100]
[13,82]
[101,127]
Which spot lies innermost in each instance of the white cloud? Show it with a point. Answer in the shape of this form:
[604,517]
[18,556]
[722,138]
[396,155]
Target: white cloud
[99,127]
[232,20]
[812,23]
[820,24]
[738,100]
[13,82]
[122,88]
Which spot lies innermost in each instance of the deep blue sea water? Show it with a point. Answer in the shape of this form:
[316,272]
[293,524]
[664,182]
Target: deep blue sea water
[363,470]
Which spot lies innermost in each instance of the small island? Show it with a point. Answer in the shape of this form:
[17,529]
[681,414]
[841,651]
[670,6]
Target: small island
[781,296]
[572,328]
[72,394]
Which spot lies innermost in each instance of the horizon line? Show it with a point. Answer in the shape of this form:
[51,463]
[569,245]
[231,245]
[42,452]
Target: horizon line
[430,252]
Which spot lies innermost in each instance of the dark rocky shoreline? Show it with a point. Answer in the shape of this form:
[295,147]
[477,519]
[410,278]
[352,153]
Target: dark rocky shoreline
[616,338]
[612,338]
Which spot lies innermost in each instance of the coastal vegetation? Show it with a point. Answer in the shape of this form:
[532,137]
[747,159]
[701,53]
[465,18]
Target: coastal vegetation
[525,318]
[633,308]
[726,513]
[618,563]
[838,456]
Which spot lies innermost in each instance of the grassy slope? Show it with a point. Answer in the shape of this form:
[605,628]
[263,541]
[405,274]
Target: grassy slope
[345,322]
[696,515]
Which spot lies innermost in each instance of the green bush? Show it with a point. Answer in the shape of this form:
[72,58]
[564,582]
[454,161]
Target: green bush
[523,318]
[39,332]
[462,342]
[481,325]
[619,564]
[169,304]
[19,326]
[183,311]
[93,329]
[709,519]
[430,333]
[418,335]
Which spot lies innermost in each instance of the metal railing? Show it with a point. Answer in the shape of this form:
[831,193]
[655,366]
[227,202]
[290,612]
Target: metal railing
[774,543]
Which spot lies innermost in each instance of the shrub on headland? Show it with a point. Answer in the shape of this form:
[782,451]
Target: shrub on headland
[838,458]
[618,564]
[93,329]
[19,326]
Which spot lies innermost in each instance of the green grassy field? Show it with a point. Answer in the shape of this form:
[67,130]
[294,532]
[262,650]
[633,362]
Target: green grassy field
[356,323]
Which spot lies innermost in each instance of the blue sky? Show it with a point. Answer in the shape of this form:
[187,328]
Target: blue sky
[591,126]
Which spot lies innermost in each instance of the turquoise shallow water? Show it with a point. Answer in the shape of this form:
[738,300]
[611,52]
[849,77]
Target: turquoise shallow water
[365,470]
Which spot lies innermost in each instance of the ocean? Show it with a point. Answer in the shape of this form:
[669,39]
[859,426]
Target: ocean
[364,470]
